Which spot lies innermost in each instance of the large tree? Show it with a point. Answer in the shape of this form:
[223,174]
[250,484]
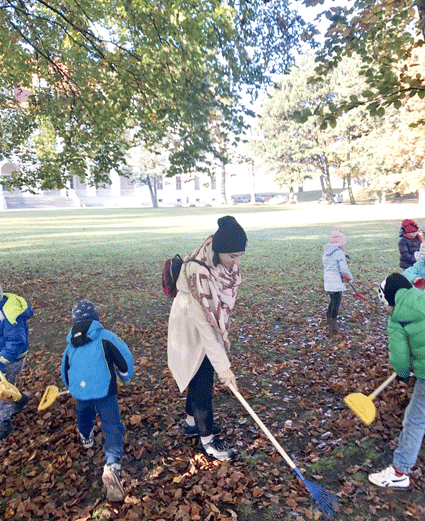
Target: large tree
[294,146]
[386,35]
[96,68]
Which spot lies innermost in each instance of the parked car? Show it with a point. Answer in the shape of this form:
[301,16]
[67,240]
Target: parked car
[241,199]
[338,198]
[246,199]
[278,199]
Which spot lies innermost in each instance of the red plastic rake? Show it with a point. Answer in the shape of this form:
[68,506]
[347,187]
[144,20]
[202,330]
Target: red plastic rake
[355,294]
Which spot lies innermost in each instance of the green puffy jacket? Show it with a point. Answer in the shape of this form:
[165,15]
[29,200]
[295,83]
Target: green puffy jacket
[406,333]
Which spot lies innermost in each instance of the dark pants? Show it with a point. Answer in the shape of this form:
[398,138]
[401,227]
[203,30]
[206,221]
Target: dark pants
[334,303]
[199,398]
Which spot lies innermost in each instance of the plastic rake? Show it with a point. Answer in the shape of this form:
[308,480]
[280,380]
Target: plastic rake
[363,406]
[327,502]
[8,392]
[355,294]
[49,397]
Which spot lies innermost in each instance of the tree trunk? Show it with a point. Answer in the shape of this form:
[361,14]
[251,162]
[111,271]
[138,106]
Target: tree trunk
[223,183]
[291,195]
[252,182]
[327,188]
[350,188]
[152,191]
[322,184]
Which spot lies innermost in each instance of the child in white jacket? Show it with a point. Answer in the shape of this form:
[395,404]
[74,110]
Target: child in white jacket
[335,270]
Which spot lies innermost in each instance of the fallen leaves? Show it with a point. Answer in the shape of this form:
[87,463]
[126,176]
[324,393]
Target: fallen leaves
[294,376]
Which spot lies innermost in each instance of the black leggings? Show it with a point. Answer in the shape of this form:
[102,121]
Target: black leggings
[334,303]
[199,398]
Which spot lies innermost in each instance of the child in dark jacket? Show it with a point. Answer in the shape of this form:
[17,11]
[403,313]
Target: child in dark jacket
[14,344]
[408,243]
[93,358]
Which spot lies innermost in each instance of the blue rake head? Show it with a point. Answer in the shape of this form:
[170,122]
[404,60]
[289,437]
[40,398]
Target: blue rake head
[327,502]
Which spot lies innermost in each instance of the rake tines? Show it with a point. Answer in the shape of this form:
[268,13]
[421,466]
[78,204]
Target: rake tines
[49,397]
[327,502]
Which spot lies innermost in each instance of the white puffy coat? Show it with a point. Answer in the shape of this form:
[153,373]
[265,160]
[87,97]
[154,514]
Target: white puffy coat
[334,265]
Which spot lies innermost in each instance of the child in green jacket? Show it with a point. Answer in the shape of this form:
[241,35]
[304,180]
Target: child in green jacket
[406,343]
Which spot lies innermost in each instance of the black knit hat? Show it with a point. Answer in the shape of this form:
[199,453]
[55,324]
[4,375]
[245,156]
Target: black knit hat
[84,310]
[390,286]
[230,236]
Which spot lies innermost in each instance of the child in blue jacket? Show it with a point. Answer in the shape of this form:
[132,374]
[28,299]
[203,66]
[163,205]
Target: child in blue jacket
[93,358]
[14,344]
[416,274]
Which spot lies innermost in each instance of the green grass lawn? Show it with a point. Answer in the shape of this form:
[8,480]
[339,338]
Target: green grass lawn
[290,370]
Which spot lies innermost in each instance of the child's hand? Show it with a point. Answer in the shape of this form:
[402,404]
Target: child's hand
[419,283]
[346,278]
[121,378]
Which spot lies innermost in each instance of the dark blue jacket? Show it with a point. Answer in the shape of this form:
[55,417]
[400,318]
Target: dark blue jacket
[90,358]
[407,248]
[14,337]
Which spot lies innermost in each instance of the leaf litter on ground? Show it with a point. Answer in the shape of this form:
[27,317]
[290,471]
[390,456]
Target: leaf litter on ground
[291,370]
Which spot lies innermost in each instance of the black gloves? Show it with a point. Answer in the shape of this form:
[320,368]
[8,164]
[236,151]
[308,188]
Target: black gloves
[401,379]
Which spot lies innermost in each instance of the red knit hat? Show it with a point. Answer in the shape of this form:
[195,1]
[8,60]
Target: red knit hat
[409,226]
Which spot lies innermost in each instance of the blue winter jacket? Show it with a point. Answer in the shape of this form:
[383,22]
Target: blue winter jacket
[90,358]
[334,265]
[14,337]
[415,271]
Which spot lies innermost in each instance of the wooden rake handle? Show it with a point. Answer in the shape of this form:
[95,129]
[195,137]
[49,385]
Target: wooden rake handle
[263,427]
[382,386]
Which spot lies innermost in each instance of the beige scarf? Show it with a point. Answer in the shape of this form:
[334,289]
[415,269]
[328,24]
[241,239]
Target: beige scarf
[216,291]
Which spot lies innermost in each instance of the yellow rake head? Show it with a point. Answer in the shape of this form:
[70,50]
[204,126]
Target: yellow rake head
[49,396]
[362,406]
[8,392]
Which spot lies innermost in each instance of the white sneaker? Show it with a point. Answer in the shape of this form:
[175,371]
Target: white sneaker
[111,480]
[218,449]
[388,478]
[87,443]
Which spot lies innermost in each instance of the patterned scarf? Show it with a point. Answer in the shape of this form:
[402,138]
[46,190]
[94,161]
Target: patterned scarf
[216,291]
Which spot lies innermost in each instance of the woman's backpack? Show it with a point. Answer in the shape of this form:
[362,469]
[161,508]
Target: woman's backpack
[171,273]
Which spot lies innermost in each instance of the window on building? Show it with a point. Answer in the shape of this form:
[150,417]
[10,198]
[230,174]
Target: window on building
[178,183]
[213,183]
[159,182]
[197,183]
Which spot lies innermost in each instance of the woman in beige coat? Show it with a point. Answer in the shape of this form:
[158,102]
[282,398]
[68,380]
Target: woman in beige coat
[198,341]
